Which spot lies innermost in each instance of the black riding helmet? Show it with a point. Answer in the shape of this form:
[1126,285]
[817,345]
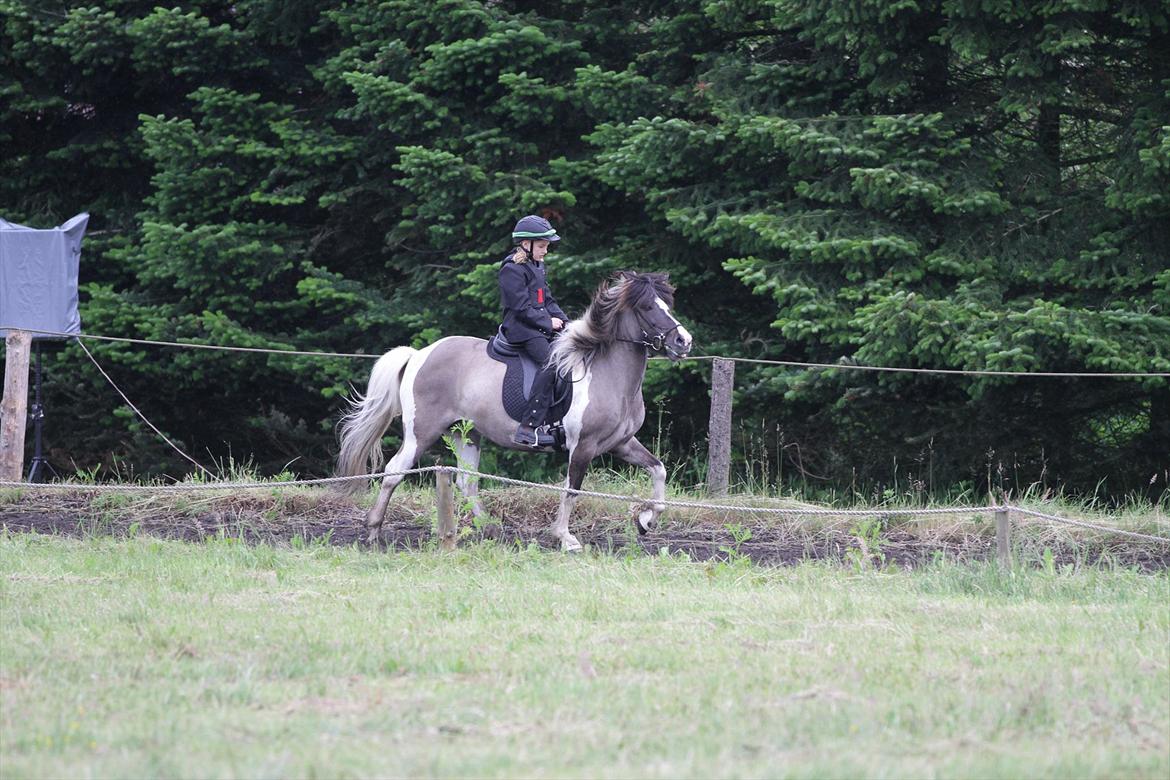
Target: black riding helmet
[533,227]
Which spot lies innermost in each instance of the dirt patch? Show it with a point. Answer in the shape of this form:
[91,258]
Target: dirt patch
[330,519]
[401,531]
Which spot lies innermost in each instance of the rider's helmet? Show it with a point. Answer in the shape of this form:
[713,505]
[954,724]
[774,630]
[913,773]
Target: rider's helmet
[534,227]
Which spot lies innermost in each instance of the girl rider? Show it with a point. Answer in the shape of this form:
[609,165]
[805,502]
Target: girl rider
[531,316]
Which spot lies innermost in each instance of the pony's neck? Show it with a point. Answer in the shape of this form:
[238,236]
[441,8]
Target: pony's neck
[625,358]
[625,364]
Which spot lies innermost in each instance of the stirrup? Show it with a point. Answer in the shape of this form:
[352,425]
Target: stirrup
[537,438]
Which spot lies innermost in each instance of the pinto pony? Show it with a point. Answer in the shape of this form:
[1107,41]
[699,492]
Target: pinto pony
[605,354]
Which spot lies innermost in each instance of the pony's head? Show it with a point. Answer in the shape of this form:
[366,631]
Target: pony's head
[649,298]
[629,307]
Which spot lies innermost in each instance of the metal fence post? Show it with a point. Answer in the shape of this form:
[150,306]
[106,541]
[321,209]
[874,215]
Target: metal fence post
[719,427]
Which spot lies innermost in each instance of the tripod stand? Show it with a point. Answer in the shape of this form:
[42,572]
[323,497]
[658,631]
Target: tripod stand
[36,413]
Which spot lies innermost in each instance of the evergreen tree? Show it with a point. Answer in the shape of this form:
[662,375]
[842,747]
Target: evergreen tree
[918,184]
[935,185]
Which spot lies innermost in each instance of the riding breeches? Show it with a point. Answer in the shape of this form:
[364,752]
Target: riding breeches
[542,385]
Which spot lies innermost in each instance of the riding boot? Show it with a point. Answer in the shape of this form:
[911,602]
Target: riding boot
[537,438]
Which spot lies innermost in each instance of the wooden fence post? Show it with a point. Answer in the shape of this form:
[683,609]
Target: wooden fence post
[14,407]
[445,501]
[1003,538]
[719,427]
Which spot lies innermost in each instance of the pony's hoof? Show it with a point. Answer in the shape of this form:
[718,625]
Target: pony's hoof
[643,521]
[570,546]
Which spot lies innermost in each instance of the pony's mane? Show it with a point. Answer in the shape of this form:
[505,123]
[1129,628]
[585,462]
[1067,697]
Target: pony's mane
[596,331]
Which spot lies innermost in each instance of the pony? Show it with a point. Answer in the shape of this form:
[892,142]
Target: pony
[604,353]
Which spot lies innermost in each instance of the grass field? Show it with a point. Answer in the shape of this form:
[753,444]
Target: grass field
[143,657]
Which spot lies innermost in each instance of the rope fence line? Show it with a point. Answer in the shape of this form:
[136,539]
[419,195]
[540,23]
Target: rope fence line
[760,361]
[640,500]
[1083,524]
[791,511]
[191,487]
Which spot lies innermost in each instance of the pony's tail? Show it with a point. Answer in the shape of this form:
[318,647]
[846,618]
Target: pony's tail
[369,416]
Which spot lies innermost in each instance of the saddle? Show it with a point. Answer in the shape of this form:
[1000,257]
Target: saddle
[518,376]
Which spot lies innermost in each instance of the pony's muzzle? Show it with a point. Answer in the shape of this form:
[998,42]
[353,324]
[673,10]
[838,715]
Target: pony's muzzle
[678,344]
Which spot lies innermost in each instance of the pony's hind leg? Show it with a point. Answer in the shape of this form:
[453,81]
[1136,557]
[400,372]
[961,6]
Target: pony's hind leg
[635,453]
[416,441]
[403,459]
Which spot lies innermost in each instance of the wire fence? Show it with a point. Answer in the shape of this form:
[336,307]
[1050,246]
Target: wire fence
[900,512]
[693,358]
[721,507]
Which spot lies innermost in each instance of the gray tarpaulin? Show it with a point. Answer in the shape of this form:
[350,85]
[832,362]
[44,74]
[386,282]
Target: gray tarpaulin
[38,276]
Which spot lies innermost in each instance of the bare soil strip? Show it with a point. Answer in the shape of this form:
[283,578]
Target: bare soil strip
[329,519]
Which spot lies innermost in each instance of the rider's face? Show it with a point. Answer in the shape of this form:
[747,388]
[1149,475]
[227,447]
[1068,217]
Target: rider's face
[539,249]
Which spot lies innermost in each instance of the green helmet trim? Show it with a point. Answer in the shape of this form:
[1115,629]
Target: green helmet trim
[543,234]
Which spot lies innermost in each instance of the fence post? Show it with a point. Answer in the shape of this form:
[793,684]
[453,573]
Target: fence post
[719,427]
[1003,538]
[14,407]
[445,501]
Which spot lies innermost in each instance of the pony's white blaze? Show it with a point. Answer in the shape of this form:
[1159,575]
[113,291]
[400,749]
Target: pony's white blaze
[686,334]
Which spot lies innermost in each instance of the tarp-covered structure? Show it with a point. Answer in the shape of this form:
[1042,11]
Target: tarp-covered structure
[38,277]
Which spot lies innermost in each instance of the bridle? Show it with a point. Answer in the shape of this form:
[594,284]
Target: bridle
[654,343]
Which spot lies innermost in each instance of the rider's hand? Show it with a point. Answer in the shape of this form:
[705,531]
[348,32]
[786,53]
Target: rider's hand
[557,323]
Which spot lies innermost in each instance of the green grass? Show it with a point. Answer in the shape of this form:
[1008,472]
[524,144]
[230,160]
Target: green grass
[141,657]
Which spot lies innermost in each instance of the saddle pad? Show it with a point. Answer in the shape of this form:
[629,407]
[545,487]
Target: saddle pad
[519,373]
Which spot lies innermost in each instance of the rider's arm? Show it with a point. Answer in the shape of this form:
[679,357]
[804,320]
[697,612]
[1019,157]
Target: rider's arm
[554,309]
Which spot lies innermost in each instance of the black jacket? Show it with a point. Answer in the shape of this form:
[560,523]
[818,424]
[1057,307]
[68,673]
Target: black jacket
[529,305]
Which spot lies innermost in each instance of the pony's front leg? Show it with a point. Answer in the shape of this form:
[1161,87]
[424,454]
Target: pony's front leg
[578,462]
[632,451]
